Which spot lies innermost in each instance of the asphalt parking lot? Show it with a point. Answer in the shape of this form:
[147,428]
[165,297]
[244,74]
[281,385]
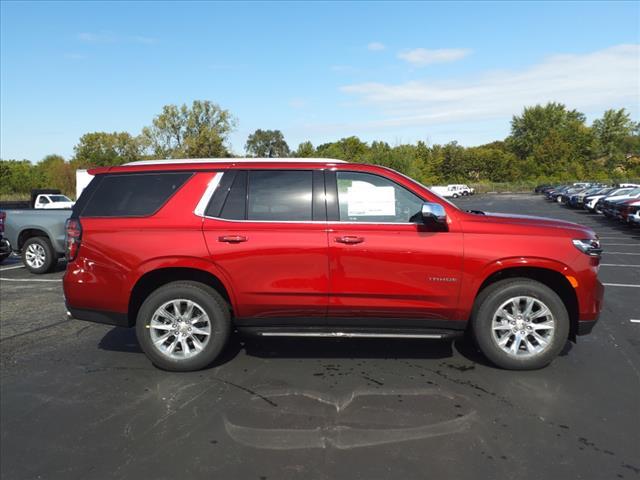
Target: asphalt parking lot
[80,400]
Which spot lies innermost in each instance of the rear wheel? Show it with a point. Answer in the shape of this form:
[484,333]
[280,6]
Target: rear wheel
[183,326]
[38,255]
[520,324]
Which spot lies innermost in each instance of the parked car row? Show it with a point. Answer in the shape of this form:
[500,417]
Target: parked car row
[621,202]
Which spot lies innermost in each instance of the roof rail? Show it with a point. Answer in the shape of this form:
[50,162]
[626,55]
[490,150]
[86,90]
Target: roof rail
[235,160]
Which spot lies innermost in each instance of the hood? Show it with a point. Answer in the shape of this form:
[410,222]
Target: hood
[530,223]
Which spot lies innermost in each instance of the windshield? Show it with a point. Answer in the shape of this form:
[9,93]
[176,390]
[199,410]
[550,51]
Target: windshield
[59,198]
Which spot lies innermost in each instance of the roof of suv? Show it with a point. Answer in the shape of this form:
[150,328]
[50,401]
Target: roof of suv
[211,163]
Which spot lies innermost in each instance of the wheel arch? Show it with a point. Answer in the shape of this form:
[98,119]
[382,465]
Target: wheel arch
[549,277]
[29,232]
[154,279]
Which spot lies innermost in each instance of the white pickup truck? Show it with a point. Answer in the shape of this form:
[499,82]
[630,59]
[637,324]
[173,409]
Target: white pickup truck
[52,201]
[453,190]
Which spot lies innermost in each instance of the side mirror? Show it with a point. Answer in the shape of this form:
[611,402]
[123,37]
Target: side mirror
[433,212]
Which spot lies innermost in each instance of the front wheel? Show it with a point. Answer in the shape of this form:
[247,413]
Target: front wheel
[520,324]
[183,326]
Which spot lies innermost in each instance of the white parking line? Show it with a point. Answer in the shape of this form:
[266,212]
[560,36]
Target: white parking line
[622,253]
[11,268]
[633,320]
[30,280]
[617,265]
[620,285]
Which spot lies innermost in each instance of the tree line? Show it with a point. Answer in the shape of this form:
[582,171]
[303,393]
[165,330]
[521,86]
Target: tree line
[547,143]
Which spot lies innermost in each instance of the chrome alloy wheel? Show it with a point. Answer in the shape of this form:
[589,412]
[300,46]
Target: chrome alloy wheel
[523,326]
[180,329]
[35,255]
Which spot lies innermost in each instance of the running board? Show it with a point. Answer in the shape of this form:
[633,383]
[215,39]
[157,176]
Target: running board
[351,335]
[328,332]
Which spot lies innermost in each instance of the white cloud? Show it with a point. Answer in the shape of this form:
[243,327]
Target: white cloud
[421,57]
[376,46]
[588,82]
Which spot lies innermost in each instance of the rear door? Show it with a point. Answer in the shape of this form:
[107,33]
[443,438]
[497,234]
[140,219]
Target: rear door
[266,229]
[385,264]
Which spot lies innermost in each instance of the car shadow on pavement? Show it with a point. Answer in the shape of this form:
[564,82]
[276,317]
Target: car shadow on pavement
[120,339]
[124,340]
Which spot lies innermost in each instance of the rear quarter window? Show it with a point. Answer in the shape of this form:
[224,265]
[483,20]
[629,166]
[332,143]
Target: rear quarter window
[132,195]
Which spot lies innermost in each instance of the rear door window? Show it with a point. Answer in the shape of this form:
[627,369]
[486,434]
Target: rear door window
[133,195]
[280,195]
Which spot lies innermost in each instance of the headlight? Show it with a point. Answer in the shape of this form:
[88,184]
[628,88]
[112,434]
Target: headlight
[590,247]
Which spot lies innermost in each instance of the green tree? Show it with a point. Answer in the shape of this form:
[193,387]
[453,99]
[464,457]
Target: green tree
[611,131]
[305,150]
[101,149]
[351,149]
[199,131]
[18,177]
[267,143]
[552,137]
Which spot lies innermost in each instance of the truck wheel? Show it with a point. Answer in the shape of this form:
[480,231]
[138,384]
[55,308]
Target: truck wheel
[183,326]
[520,324]
[38,255]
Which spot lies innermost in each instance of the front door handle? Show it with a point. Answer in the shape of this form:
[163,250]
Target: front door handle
[349,239]
[232,238]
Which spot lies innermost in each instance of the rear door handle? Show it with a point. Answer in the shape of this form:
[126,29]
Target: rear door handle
[349,240]
[232,238]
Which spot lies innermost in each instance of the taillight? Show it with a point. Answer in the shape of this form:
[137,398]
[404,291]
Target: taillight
[3,216]
[73,238]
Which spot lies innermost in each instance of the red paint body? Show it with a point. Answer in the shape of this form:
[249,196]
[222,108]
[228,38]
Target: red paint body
[298,269]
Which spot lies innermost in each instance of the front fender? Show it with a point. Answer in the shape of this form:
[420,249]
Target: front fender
[474,280]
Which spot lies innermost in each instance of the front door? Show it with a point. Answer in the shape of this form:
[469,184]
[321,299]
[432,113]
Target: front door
[268,235]
[384,263]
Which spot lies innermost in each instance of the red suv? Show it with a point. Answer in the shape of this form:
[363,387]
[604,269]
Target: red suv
[189,250]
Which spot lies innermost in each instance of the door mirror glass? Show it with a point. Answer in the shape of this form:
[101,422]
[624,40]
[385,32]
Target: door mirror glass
[433,212]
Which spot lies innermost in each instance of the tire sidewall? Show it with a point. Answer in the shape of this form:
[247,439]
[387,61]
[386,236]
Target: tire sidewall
[503,291]
[49,260]
[205,297]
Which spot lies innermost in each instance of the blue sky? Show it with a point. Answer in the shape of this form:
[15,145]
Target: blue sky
[399,72]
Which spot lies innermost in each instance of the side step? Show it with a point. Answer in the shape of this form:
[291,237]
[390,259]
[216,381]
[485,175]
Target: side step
[431,334]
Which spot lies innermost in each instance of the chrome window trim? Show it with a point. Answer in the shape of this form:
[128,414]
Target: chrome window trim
[201,207]
[308,221]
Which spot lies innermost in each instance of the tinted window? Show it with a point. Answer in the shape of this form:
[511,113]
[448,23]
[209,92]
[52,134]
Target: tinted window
[280,195]
[235,204]
[363,197]
[133,195]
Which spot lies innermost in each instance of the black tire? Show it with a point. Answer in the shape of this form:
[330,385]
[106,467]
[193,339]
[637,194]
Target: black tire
[488,303]
[209,300]
[50,257]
